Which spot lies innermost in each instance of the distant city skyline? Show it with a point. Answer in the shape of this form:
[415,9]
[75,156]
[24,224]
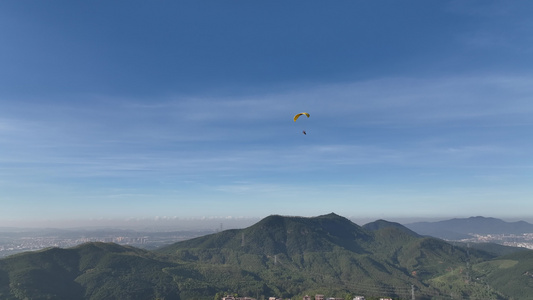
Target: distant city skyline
[116,111]
[152,234]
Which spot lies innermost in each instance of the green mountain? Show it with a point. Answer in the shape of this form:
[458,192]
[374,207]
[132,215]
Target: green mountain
[461,228]
[279,256]
[89,271]
[329,253]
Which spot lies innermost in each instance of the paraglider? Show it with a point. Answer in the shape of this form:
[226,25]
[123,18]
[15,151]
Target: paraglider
[300,114]
[297,116]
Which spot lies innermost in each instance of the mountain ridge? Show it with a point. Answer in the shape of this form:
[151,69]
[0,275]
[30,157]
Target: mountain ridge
[342,247]
[462,228]
[279,255]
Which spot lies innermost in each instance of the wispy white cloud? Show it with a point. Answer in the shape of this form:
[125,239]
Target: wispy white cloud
[169,149]
[132,135]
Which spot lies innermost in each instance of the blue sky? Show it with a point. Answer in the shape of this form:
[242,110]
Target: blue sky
[116,110]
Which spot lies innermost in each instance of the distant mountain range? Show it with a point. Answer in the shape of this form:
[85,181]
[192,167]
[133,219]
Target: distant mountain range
[285,257]
[457,229]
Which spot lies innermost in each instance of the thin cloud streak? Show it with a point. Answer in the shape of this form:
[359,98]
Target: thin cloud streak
[206,144]
[421,101]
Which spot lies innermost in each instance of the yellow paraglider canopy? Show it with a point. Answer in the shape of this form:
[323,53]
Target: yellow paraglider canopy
[300,114]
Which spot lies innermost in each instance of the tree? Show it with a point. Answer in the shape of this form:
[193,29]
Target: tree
[348,296]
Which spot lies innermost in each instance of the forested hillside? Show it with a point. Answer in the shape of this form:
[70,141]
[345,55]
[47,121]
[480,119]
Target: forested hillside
[278,256]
